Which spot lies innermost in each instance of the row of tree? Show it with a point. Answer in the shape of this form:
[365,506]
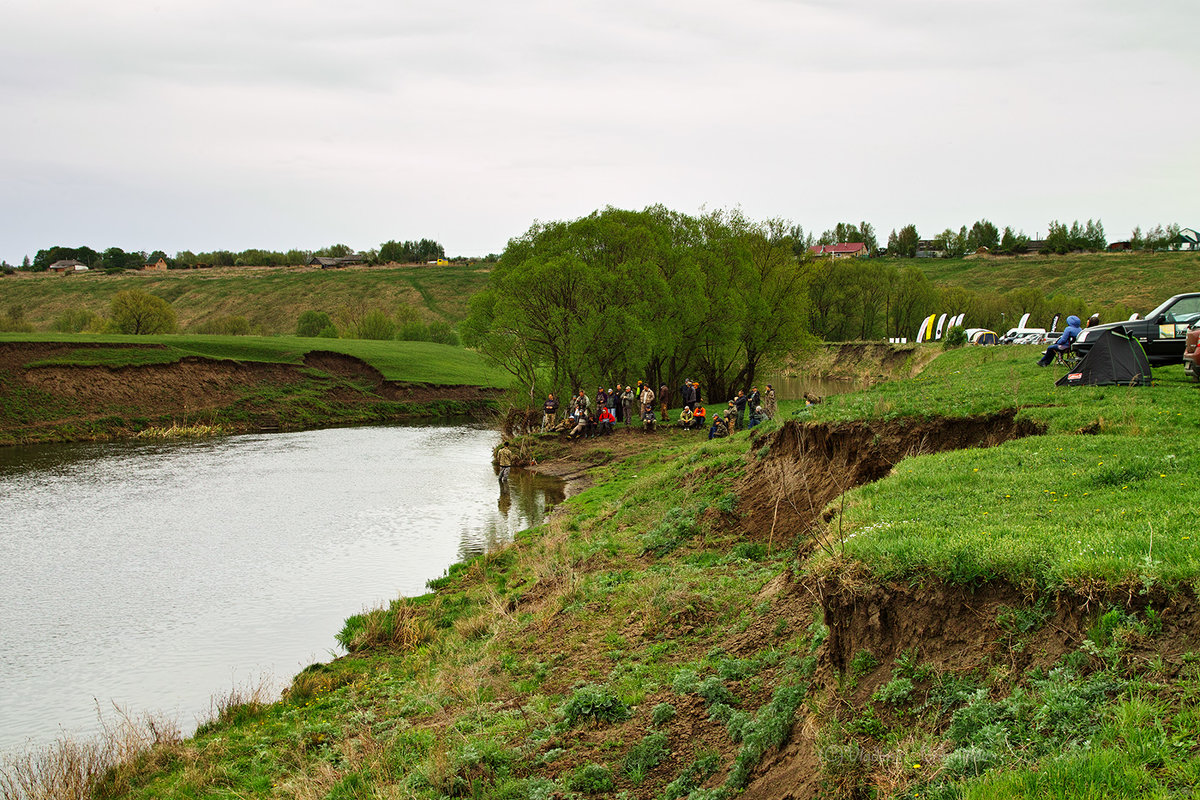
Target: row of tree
[114,259]
[1060,239]
[851,299]
[655,295]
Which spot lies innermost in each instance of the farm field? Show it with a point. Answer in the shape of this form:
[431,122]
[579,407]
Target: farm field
[270,299]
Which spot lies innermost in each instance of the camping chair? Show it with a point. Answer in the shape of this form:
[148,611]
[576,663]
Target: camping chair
[1066,358]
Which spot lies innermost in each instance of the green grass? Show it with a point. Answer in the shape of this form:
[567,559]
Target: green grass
[410,362]
[1061,509]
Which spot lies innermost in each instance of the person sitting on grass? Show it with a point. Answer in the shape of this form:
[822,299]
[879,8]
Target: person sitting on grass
[719,429]
[757,416]
[1064,342]
[700,418]
[686,418]
[607,421]
[648,419]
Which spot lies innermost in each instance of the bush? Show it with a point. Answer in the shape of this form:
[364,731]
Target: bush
[227,325]
[591,779]
[312,323]
[139,313]
[662,714]
[374,325]
[597,703]
[76,320]
[955,337]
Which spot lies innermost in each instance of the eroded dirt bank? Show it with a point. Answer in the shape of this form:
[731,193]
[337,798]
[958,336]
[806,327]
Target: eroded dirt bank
[962,632]
[67,402]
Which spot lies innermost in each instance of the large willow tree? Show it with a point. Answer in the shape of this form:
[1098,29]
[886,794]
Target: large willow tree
[620,296]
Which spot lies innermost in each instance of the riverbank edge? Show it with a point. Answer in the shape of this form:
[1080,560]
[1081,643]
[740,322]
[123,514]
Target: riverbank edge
[198,396]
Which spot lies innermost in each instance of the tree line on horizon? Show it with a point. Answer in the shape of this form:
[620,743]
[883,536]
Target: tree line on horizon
[114,259]
[1060,239]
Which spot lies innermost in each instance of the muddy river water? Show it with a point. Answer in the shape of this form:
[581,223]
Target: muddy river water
[153,576]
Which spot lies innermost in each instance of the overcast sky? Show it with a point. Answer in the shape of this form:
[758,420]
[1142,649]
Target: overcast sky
[228,124]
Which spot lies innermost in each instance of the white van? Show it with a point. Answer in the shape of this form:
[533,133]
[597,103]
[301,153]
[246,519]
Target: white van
[1023,336]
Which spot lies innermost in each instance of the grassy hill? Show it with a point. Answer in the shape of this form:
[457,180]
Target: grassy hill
[270,299]
[1136,280]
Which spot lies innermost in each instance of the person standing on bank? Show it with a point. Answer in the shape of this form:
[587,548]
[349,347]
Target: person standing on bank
[663,391]
[628,400]
[647,400]
[504,457]
[549,412]
[769,405]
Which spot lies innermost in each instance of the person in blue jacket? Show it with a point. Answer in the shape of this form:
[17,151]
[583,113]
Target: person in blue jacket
[1064,342]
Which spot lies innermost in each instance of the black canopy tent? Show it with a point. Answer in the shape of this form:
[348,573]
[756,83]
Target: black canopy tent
[1116,359]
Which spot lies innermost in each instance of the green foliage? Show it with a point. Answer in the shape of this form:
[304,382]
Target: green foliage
[591,779]
[1024,620]
[686,681]
[76,320]
[312,323]
[956,336]
[410,252]
[374,324]
[645,756]
[675,528]
[595,704]
[895,691]
[138,313]
[768,731]
[620,294]
[863,662]
[693,776]
[227,325]
[714,690]
[661,714]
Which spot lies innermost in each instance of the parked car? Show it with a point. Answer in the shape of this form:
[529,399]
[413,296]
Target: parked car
[1022,335]
[1163,332]
[1191,351]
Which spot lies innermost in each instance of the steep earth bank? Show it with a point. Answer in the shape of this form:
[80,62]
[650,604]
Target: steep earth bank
[77,402]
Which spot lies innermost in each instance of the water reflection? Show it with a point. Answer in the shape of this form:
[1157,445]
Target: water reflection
[155,574]
[794,387]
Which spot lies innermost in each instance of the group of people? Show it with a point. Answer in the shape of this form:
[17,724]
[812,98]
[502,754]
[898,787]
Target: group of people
[599,415]
[733,418]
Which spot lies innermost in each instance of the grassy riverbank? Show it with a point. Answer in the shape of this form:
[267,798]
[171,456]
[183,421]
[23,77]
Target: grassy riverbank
[967,584]
[64,387]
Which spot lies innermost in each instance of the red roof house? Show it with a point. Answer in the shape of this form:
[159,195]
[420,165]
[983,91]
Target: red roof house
[846,250]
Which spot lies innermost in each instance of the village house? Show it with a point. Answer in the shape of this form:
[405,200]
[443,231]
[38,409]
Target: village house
[327,262]
[159,264]
[845,250]
[67,266]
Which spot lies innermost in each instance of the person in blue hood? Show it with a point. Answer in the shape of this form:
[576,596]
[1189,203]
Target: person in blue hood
[1064,342]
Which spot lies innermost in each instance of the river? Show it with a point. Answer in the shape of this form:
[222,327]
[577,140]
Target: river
[155,575]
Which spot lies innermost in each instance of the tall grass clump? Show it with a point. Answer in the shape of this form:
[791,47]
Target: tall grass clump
[401,626]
